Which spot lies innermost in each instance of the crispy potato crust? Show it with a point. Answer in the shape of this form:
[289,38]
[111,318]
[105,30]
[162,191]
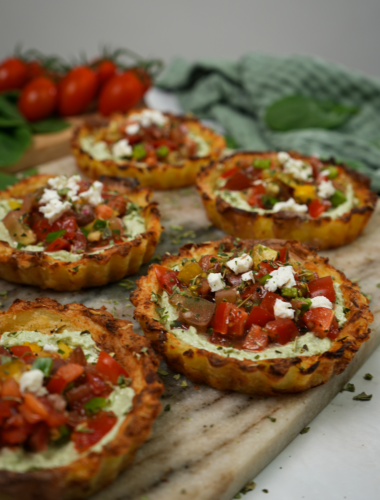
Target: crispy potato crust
[322,233]
[123,259]
[263,377]
[94,471]
[159,176]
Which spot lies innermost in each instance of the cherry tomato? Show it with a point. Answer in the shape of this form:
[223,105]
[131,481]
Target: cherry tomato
[284,255]
[238,182]
[38,99]
[256,339]
[68,223]
[120,93]
[167,278]
[144,77]
[13,74]
[105,70]
[42,228]
[35,69]
[322,286]
[76,91]
[109,367]
[64,375]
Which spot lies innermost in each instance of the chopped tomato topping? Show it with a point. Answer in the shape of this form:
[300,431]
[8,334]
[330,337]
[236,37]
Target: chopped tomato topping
[220,323]
[255,198]
[259,316]
[256,339]
[334,329]
[319,320]
[229,173]
[322,286]
[65,374]
[284,255]
[97,427]
[167,278]
[39,439]
[281,330]
[35,405]
[23,352]
[10,389]
[109,367]
[238,182]
[103,211]
[316,208]
[268,303]
[58,244]
[236,323]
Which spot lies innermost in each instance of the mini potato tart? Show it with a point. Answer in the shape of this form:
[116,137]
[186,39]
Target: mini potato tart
[67,234]
[161,150]
[78,396]
[287,195]
[260,317]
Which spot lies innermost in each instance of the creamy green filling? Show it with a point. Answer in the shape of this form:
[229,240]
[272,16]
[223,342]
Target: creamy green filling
[120,402]
[314,344]
[339,306]
[203,148]
[134,226]
[235,199]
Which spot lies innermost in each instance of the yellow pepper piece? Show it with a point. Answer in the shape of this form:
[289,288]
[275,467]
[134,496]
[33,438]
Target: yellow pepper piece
[34,347]
[14,204]
[66,350]
[189,272]
[260,253]
[304,193]
[12,369]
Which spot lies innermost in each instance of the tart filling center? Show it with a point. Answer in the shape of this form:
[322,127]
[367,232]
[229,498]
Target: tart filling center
[282,183]
[68,218]
[60,398]
[255,304]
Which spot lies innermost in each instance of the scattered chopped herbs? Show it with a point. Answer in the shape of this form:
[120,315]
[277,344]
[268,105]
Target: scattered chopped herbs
[123,381]
[85,332]
[76,268]
[144,350]
[162,372]
[305,430]
[378,285]
[368,376]
[248,487]
[183,383]
[175,324]
[3,294]
[362,397]
[127,284]
[271,418]
[43,364]
[167,408]
[349,387]
[265,491]
[177,376]
[95,405]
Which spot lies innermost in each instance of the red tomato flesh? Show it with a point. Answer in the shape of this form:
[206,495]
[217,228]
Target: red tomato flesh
[258,316]
[238,182]
[109,367]
[281,330]
[220,323]
[319,321]
[100,425]
[167,278]
[316,208]
[322,287]
[256,339]
[24,352]
[268,303]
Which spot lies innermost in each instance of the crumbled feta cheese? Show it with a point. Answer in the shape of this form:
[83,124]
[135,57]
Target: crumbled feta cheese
[240,264]
[326,189]
[321,301]
[54,209]
[258,182]
[62,182]
[48,195]
[283,276]
[248,276]
[32,381]
[297,168]
[122,148]
[215,281]
[50,348]
[283,157]
[149,117]
[58,183]
[290,205]
[283,309]
[132,129]
[94,194]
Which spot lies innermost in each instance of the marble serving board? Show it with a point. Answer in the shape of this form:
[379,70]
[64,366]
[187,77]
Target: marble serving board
[208,444]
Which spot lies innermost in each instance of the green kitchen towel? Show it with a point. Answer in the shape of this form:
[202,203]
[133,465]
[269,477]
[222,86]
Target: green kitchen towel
[237,95]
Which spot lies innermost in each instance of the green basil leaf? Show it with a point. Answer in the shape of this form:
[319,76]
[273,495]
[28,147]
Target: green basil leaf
[49,126]
[230,142]
[13,144]
[9,109]
[43,364]
[299,112]
[95,405]
[7,180]
[99,224]
[53,236]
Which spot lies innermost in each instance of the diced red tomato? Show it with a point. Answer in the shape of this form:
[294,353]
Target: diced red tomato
[258,316]
[255,292]
[283,257]
[109,367]
[24,352]
[268,303]
[10,389]
[256,339]
[103,212]
[64,375]
[3,351]
[39,439]
[334,329]
[316,208]
[167,278]
[29,415]
[164,142]
[236,324]
[221,318]
[100,425]
[58,244]
[238,182]
[79,242]
[205,262]
[55,418]
[68,223]
[265,268]
[80,394]
[219,339]
[42,228]
[229,173]
[281,330]
[96,381]
[255,198]
[15,435]
[322,286]
[35,405]
[5,410]
[319,320]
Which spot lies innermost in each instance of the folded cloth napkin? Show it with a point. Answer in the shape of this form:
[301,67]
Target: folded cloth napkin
[237,95]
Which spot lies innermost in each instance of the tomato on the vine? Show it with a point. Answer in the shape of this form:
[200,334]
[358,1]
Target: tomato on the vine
[38,99]
[144,77]
[35,69]
[105,70]
[76,91]
[120,93]
[13,74]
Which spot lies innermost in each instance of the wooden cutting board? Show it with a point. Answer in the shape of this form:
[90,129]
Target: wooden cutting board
[209,444]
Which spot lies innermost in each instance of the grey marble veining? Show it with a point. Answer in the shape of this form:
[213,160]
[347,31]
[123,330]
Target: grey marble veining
[208,444]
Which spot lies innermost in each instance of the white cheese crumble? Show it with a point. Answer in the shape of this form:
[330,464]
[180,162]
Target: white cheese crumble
[240,264]
[283,276]
[50,348]
[248,276]
[32,381]
[132,129]
[290,205]
[321,301]
[122,148]
[326,189]
[283,309]
[297,168]
[149,117]
[54,208]
[94,194]
[215,281]
[62,182]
